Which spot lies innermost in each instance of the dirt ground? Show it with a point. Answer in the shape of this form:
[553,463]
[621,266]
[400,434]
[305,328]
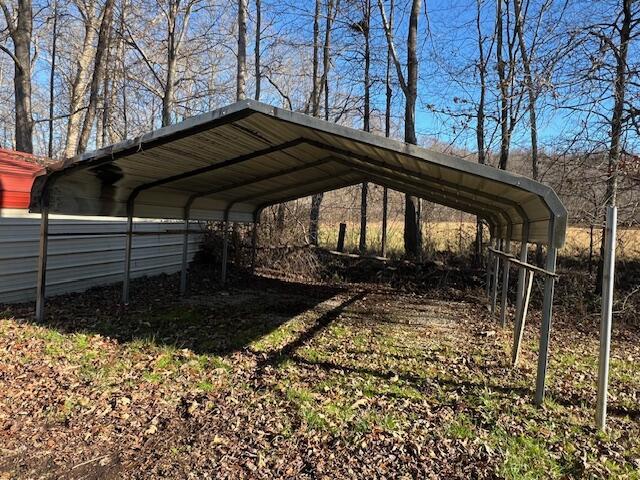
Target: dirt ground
[278,379]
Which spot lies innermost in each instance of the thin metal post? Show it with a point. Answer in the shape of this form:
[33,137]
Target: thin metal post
[225,245]
[254,246]
[505,278]
[524,251]
[383,237]
[42,264]
[185,256]
[545,327]
[521,319]
[127,257]
[489,266]
[605,323]
[494,286]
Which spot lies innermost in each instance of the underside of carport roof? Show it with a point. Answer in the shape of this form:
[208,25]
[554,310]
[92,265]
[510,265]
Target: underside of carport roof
[231,163]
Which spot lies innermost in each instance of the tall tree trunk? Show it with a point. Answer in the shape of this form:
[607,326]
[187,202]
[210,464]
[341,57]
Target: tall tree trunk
[412,233]
[241,77]
[172,62]
[315,90]
[20,30]
[387,133]
[257,48]
[80,80]
[482,71]
[98,72]
[326,53]
[366,120]
[52,77]
[504,91]
[615,148]
[316,200]
[531,89]
[123,67]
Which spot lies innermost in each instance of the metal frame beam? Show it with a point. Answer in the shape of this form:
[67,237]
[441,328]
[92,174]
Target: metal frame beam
[127,256]
[426,178]
[521,318]
[505,280]
[42,264]
[185,253]
[547,312]
[272,191]
[263,178]
[441,197]
[213,167]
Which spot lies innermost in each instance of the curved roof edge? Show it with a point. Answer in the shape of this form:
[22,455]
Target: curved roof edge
[238,111]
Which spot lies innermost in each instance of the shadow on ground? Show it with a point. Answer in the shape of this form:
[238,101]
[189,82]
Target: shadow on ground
[211,320]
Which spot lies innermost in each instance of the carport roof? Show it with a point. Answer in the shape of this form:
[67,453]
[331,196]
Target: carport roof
[233,162]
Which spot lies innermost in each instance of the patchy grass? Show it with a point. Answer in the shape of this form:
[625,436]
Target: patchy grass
[346,384]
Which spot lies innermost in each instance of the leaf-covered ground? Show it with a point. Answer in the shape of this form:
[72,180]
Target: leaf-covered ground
[271,379]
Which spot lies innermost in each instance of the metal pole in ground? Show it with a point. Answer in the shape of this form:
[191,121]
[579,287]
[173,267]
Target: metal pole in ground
[383,236]
[505,280]
[521,318]
[127,257]
[524,250]
[254,246]
[494,286]
[547,309]
[185,255]
[225,245]
[605,323]
[42,264]
[489,266]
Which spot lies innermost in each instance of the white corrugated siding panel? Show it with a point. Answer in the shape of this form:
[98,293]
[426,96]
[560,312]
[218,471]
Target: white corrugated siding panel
[80,262]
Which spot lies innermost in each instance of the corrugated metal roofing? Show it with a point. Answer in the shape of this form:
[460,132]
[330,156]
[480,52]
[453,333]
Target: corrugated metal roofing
[232,162]
[17,172]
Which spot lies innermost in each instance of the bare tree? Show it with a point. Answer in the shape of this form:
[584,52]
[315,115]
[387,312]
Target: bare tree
[241,77]
[320,84]
[387,133]
[620,52]
[20,30]
[98,73]
[409,86]
[52,77]
[362,27]
[80,82]
[480,117]
[256,49]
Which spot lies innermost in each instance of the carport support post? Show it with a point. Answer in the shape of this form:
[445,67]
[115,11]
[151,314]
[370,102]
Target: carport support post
[545,327]
[185,255]
[127,257]
[225,245]
[254,244]
[505,279]
[524,250]
[518,331]
[383,236]
[489,265]
[494,286]
[605,323]
[42,264]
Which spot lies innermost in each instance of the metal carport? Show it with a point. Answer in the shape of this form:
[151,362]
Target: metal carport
[233,162]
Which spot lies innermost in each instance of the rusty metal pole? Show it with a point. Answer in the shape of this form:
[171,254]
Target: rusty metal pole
[127,257]
[42,264]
